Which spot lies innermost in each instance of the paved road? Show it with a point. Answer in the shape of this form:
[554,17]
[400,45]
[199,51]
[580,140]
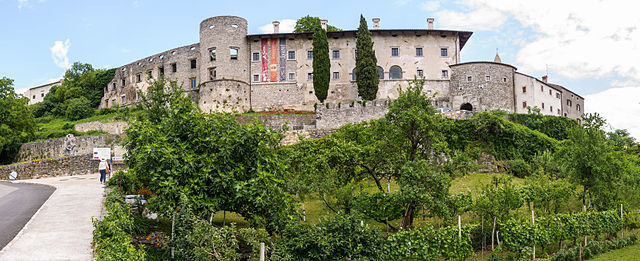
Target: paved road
[18,202]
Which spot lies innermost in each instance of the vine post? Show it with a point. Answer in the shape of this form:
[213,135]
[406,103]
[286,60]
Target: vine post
[622,219]
[533,222]
[459,228]
[493,232]
[262,254]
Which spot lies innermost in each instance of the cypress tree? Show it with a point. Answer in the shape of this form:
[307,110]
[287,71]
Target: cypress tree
[366,70]
[321,64]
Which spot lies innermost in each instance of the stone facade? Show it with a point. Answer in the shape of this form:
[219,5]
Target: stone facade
[482,86]
[340,114]
[64,166]
[293,136]
[36,94]
[56,148]
[109,127]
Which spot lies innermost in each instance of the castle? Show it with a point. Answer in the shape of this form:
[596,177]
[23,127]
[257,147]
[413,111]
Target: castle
[230,70]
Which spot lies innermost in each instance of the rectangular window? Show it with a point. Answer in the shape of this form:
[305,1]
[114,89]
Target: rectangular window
[469,78]
[255,57]
[161,69]
[192,83]
[557,95]
[543,105]
[336,75]
[193,63]
[524,89]
[444,52]
[138,78]
[568,102]
[291,55]
[233,51]
[355,53]
[150,74]
[310,55]
[420,73]
[124,99]
[578,107]
[541,88]
[256,77]
[212,73]
[504,79]
[558,111]
[550,92]
[395,51]
[445,74]
[524,104]
[212,54]
[123,82]
[551,108]
[113,86]
[336,54]
[419,51]
[309,76]
[487,78]
[292,76]
[174,67]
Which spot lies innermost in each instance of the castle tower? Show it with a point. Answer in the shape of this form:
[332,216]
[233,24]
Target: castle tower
[224,64]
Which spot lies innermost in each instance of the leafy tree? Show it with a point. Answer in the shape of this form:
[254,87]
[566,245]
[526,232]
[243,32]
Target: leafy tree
[217,163]
[78,108]
[309,23]
[366,70]
[17,124]
[321,64]
[593,162]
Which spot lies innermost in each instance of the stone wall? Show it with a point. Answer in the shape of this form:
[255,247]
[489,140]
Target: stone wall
[340,114]
[64,166]
[55,148]
[109,127]
[224,95]
[293,136]
[294,121]
[484,85]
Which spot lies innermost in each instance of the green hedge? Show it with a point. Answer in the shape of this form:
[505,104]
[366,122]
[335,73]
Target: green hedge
[430,244]
[556,127]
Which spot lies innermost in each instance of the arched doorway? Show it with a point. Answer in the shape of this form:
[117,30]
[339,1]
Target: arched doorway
[466,107]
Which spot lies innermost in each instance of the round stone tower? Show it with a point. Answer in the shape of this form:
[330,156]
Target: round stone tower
[224,65]
[223,48]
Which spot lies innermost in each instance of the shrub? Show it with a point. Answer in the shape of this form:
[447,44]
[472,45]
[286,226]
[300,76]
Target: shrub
[519,168]
[78,108]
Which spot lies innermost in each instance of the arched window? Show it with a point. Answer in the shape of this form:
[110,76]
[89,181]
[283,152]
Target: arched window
[395,72]
[466,107]
[353,74]
[380,73]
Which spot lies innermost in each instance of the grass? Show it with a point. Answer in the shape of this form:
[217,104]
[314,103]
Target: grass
[627,253]
[51,128]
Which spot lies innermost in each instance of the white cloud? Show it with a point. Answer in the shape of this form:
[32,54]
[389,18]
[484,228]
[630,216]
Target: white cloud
[619,106]
[59,53]
[22,90]
[430,6]
[481,19]
[286,26]
[23,3]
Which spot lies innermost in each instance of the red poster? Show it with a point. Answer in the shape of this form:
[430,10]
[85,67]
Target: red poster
[273,67]
[265,61]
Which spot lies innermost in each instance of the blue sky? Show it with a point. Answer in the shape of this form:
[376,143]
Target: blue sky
[585,45]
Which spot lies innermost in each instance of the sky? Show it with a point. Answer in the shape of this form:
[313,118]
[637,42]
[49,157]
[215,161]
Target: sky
[587,46]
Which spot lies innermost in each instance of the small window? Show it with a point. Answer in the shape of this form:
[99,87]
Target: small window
[233,51]
[113,86]
[353,74]
[395,51]
[524,89]
[292,76]
[551,108]
[355,53]
[557,95]
[550,92]
[336,54]
[256,77]
[469,78]
[558,111]
[336,75]
[174,67]
[291,55]
[541,88]
[524,104]
[543,105]
[34,96]
[138,78]
[212,73]
[487,78]
[124,99]
[212,54]
[150,74]
[445,74]
[420,73]
[309,76]
[444,52]
[504,79]
[123,82]
[161,70]
[309,55]
[255,57]
[419,51]
[395,72]
[380,73]
[568,102]
[578,107]
[192,83]
[193,64]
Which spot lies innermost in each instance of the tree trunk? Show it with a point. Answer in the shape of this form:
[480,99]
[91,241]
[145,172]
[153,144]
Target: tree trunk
[407,219]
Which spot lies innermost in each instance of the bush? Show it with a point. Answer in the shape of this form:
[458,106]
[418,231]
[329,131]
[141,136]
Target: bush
[78,108]
[519,168]
[430,244]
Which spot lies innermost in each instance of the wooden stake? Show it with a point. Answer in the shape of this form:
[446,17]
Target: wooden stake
[493,232]
[262,257]
[533,222]
[622,219]
[459,228]
[224,218]
[483,238]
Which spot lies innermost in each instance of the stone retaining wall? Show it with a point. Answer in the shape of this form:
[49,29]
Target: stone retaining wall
[293,136]
[65,166]
[56,147]
[294,121]
[340,114]
[109,127]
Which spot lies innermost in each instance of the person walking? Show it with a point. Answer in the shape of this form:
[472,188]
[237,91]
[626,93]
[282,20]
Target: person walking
[103,167]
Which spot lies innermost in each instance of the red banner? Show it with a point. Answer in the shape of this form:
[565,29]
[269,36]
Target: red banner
[265,61]
[273,67]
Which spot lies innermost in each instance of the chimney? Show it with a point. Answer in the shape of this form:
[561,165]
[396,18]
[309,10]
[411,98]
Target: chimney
[323,24]
[430,23]
[276,27]
[544,79]
[376,23]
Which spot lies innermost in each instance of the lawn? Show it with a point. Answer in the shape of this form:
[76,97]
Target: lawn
[627,253]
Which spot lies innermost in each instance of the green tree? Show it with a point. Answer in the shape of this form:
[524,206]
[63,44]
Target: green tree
[309,23]
[321,64]
[217,163]
[17,124]
[77,108]
[366,70]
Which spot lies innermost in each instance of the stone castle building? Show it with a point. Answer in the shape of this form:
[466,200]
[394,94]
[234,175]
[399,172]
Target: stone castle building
[36,94]
[230,70]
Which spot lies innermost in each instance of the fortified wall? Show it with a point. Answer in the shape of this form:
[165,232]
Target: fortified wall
[336,115]
[116,128]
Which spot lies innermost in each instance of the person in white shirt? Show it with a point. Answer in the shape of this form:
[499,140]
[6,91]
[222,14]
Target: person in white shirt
[104,168]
